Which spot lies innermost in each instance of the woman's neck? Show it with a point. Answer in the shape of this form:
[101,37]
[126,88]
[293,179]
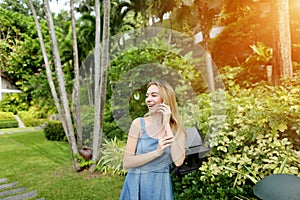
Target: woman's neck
[155,127]
[156,119]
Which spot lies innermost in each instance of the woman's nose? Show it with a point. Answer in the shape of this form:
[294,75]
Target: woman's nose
[148,99]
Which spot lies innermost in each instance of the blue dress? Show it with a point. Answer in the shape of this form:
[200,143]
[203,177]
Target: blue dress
[152,180]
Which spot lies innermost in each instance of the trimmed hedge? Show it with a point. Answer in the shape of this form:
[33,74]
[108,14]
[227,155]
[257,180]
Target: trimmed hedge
[7,120]
[9,123]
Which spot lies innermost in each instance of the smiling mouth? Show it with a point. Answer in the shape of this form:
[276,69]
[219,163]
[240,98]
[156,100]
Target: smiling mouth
[151,106]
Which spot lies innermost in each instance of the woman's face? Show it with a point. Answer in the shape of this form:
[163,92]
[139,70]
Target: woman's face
[153,99]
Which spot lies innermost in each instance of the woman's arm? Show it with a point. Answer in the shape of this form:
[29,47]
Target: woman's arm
[177,147]
[130,159]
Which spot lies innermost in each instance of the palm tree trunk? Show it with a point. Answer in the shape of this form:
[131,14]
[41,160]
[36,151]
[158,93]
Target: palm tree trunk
[97,139]
[171,27]
[76,85]
[104,62]
[97,96]
[47,65]
[281,61]
[62,89]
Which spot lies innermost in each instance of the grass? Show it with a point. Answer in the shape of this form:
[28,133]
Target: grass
[46,166]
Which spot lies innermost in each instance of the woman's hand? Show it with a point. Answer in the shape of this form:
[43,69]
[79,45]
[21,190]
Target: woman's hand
[166,111]
[164,143]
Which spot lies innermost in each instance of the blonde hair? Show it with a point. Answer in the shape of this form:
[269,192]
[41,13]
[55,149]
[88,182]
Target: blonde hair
[167,93]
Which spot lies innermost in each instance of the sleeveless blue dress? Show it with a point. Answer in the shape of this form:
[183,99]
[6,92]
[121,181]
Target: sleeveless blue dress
[152,180]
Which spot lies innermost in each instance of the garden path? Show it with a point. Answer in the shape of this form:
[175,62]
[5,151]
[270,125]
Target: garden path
[11,191]
[21,124]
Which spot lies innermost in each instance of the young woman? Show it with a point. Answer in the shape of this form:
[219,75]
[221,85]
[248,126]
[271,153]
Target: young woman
[154,142]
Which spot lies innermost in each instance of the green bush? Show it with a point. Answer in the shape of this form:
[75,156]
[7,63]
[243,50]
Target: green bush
[191,186]
[7,115]
[260,136]
[13,103]
[256,138]
[9,123]
[54,131]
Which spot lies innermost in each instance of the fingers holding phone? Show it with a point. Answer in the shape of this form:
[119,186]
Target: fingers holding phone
[166,111]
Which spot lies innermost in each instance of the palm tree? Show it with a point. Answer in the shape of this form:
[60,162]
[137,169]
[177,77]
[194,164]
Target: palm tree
[100,77]
[118,23]
[76,78]
[66,114]
[97,97]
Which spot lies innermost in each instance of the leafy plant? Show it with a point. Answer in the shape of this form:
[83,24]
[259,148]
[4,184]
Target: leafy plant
[83,162]
[111,157]
[13,103]
[263,54]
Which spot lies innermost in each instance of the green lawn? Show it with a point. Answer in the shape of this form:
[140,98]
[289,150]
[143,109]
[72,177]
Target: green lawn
[46,166]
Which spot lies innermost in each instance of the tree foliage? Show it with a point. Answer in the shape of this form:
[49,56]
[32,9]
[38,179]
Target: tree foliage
[260,137]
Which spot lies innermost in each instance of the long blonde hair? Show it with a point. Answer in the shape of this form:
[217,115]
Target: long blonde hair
[167,93]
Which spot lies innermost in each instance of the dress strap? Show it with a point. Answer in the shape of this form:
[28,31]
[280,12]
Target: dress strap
[142,120]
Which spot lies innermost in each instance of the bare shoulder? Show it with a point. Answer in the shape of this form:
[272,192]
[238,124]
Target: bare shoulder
[135,128]
[136,122]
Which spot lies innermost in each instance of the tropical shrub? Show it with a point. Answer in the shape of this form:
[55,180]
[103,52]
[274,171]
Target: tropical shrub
[111,157]
[110,127]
